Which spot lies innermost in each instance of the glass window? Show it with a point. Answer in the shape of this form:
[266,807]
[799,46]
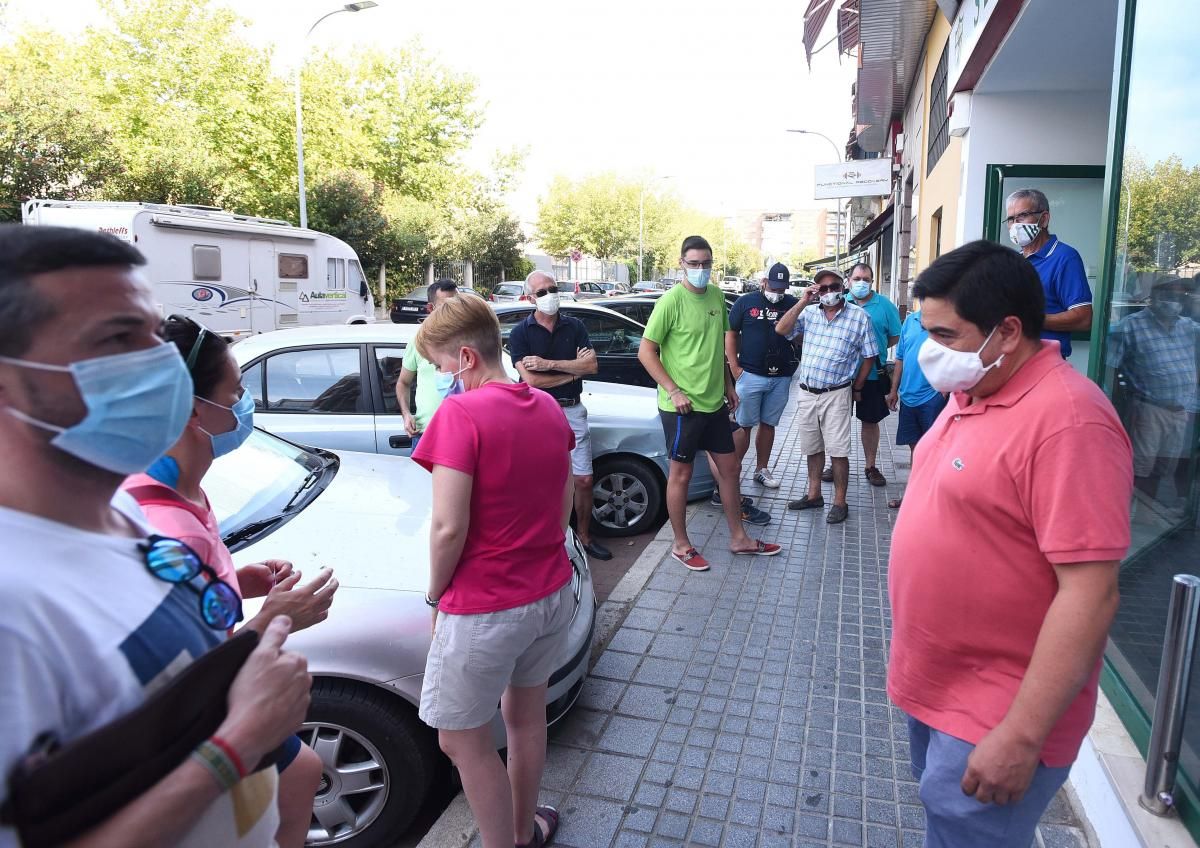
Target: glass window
[315,380]
[252,383]
[611,336]
[508,320]
[206,262]
[1152,344]
[389,361]
[939,114]
[293,266]
[335,275]
[357,281]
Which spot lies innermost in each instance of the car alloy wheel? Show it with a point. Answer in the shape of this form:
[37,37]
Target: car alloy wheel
[627,497]
[354,782]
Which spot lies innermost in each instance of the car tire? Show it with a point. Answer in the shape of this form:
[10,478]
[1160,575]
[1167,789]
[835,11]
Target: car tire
[348,725]
[628,496]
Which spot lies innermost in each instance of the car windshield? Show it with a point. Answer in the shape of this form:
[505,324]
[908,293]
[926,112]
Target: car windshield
[258,480]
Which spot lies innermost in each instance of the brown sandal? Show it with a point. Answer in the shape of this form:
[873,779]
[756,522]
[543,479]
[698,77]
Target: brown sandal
[540,837]
[894,503]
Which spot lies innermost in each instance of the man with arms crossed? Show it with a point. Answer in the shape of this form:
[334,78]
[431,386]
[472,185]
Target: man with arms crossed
[89,393]
[1003,571]
[683,349]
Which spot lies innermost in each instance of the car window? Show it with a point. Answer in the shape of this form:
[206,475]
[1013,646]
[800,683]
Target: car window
[315,380]
[610,335]
[508,320]
[389,360]
[253,383]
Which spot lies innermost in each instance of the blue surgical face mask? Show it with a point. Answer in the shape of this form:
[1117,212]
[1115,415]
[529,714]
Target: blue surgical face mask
[231,440]
[137,406]
[859,289]
[699,277]
[449,385]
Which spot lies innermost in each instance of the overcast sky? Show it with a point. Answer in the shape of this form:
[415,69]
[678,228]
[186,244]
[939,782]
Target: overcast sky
[698,90]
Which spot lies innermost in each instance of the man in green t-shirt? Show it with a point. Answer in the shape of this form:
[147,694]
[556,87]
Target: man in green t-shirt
[683,349]
[418,367]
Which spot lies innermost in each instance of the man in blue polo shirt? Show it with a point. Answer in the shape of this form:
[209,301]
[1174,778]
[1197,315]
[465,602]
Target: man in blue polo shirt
[1064,280]
[919,403]
[553,353]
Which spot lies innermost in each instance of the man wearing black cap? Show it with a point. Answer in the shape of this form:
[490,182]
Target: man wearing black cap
[762,362]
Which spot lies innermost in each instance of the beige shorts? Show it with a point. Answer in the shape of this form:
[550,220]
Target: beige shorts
[581,457]
[474,658]
[824,422]
[1159,436]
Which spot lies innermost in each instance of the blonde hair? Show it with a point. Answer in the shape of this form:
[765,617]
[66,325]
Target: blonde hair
[462,321]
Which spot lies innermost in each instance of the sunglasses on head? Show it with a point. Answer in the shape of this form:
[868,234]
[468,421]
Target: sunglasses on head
[201,332]
[174,561]
[547,290]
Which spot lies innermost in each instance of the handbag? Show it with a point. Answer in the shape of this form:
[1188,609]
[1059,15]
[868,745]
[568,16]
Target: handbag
[58,792]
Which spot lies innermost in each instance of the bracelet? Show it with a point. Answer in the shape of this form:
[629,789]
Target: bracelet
[675,391]
[231,753]
[217,761]
[433,602]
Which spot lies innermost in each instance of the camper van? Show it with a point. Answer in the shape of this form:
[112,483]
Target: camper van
[235,274]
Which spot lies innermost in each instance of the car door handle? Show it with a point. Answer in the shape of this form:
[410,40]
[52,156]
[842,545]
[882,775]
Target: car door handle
[399,441]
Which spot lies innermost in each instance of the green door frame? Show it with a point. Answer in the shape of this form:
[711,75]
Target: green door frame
[1118,692]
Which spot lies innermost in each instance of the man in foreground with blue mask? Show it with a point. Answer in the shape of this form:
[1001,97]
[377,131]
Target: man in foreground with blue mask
[1003,568]
[88,628]
[1058,265]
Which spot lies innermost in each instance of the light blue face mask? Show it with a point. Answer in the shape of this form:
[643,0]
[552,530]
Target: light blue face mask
[859,290]
[137,406]
[243,413]
[699,277]
[449,385]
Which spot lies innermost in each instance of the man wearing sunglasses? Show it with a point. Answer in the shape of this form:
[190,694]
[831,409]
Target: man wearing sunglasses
[96,613]
[1064,279]
[839,351]
[552,352]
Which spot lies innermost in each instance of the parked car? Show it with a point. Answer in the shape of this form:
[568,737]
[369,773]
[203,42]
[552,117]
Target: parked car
[633,306]
[612,289]
[414,306]
[732,285]
[508,293]
[368,518]
[337,390]
[583,291]
[648,286]
[730,300]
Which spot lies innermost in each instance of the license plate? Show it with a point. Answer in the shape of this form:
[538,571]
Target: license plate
[409,308]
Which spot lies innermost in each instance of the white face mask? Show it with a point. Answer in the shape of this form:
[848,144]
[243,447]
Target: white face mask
[831,298]
[773,296]
[950,370]
[547,304]
[1023,235]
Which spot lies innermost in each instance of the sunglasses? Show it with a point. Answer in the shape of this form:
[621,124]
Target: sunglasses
[830,289]
[547,290]
[201,332]
[173,561]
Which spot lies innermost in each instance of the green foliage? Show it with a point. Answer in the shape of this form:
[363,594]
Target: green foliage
[1164,216]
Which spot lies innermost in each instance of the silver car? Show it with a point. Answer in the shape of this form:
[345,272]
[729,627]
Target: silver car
[335,387]
[368,518]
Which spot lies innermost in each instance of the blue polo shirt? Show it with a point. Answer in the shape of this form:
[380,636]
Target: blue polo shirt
[761,349]
[914,388]
[885,321]
[529,338]
[1064,281]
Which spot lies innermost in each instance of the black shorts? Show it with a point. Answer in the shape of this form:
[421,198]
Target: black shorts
[873,407]
[697,431]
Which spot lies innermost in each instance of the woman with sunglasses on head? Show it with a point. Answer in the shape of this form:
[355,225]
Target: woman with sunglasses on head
[170,495]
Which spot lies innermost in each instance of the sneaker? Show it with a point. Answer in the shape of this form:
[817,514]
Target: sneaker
[763,476]
[691,560]
[715,500]
[754,515]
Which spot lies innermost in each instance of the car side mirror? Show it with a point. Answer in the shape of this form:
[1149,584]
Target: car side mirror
[398,441]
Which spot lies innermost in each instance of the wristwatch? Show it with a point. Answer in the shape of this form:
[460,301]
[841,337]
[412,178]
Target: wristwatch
[433,602]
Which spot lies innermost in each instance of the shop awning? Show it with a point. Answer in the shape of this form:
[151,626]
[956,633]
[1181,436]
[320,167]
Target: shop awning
[814,21]
[847,24]
[869,234]
[892,34]
[832,261]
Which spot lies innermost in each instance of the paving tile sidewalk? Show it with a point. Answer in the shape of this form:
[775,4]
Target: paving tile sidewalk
[746,706]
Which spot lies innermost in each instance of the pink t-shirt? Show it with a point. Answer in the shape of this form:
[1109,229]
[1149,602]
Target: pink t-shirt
[173,515]
[1002,490]
[515,442]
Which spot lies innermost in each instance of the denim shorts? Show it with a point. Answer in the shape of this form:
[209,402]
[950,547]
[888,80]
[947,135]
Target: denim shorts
[761,400]
[955,820]
[474,658]
[915,421]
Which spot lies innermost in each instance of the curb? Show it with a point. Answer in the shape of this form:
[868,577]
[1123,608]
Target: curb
[455,828]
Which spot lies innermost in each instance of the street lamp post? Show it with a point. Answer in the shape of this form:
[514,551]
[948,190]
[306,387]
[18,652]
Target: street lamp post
[348,7]
[642,226]
[837,247]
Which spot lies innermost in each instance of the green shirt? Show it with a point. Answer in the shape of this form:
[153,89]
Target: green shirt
[689,330]
[428,398]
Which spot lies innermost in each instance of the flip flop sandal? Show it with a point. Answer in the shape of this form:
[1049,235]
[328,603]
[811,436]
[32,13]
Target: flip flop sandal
[762,549]
[691,560]
[550,816]
[894,503]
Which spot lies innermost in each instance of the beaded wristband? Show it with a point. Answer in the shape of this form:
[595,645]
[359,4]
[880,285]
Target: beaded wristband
[215,759]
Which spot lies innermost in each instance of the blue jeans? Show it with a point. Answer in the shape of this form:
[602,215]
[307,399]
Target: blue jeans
[954,820]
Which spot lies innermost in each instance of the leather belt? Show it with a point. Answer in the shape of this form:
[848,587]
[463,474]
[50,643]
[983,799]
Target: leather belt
[568,401]
[811,390]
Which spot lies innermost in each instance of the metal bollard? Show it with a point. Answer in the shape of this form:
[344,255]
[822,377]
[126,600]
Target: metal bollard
[1170,702]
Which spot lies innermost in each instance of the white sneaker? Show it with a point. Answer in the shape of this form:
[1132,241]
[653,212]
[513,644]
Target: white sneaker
[764,477]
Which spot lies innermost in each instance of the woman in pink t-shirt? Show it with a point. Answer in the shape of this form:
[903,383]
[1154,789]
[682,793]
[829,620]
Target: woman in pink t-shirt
[500,580]
[170,496]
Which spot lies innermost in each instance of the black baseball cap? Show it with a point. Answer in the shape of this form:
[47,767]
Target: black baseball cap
[778,277]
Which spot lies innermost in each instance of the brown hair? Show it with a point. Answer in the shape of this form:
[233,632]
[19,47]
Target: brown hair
[462,321]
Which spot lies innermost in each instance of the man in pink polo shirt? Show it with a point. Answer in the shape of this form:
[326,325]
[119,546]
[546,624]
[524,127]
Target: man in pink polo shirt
[1003,573]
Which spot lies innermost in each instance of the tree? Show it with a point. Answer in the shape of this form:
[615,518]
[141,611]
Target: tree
[1161,203]
[598,215]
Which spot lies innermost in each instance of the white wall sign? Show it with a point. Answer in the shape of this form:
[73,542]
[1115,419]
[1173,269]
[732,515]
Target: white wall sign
[968,25]
[856,178]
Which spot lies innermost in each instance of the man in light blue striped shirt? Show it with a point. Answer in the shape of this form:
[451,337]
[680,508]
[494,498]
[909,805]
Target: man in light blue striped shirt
[839,350]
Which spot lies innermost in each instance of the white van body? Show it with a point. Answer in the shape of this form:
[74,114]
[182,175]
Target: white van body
[235,274]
